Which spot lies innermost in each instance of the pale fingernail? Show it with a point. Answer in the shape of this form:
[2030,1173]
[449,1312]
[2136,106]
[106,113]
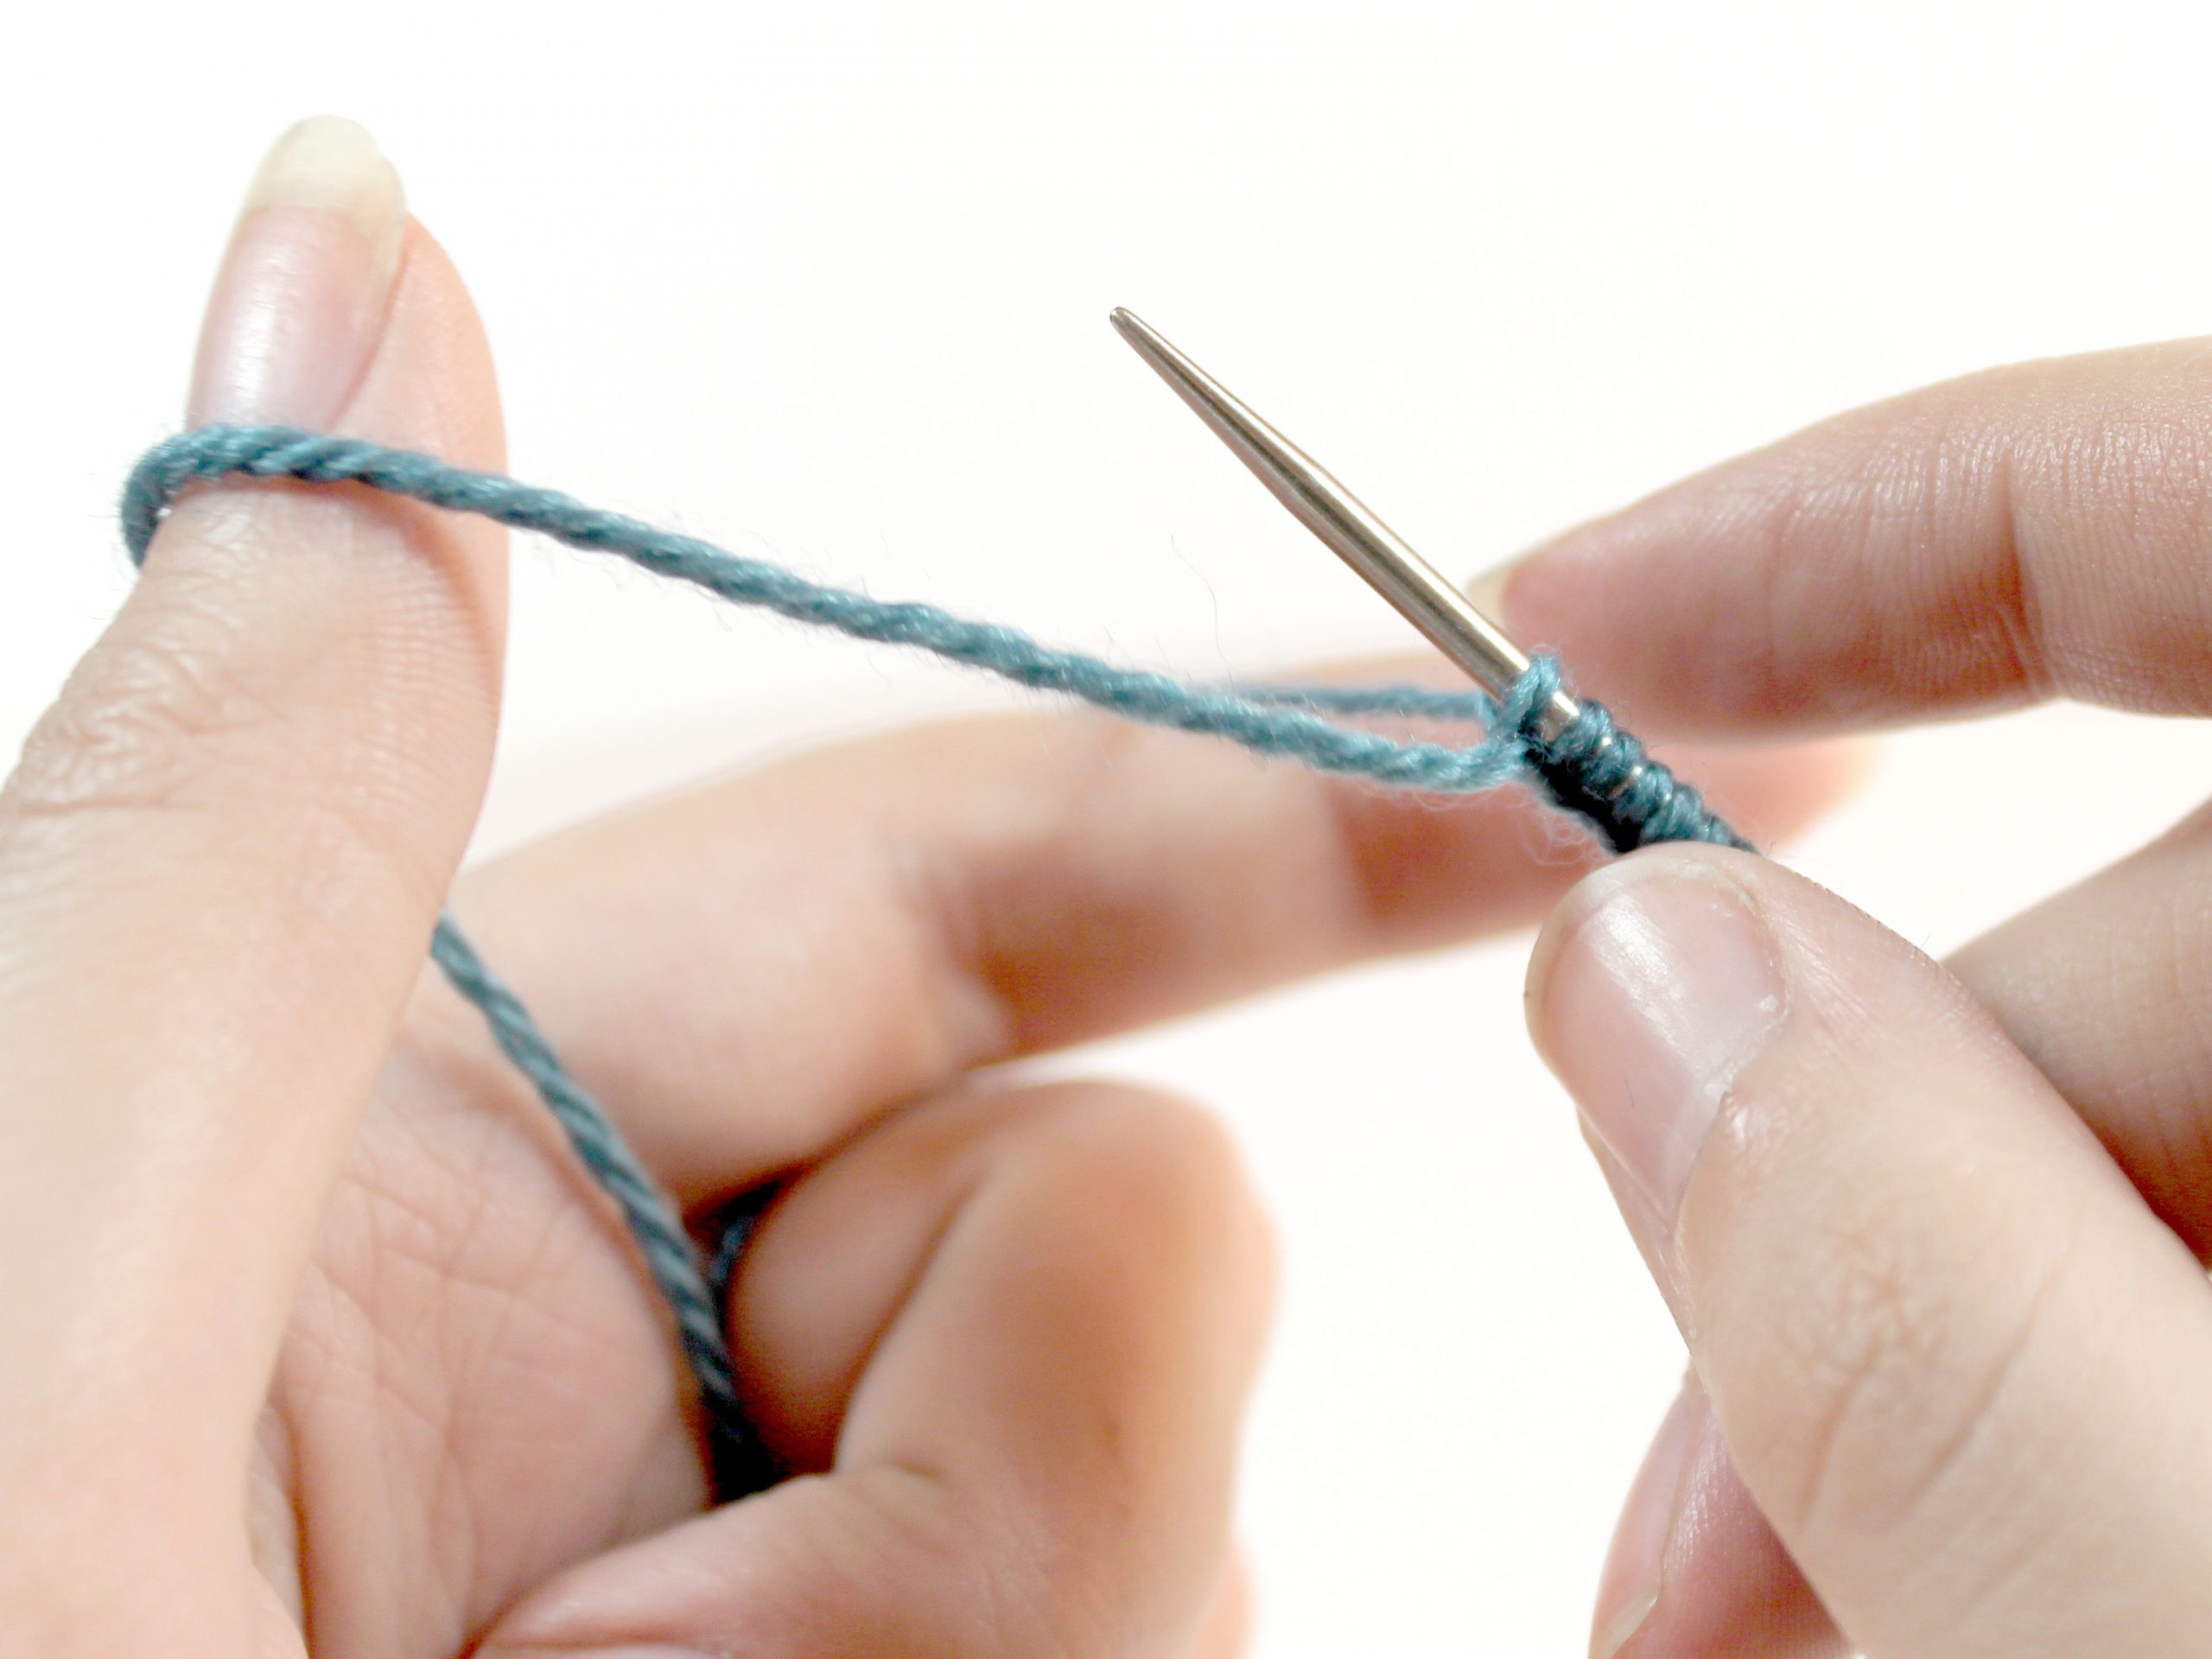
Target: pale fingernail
[1629,1588]
[299,304]
[1651,994]
[1486,593]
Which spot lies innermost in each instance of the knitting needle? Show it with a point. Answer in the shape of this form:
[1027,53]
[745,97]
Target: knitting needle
[1600,772]
[1350,530]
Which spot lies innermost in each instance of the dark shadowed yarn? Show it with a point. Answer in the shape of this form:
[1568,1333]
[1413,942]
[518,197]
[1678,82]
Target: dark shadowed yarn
[1593,768]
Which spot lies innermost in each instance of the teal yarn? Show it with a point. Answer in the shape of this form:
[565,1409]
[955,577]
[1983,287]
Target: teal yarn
[1593,769]
[1271,721]
[696,1294]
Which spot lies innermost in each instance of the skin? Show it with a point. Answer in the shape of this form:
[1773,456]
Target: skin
[1935,1234]
[314,1338]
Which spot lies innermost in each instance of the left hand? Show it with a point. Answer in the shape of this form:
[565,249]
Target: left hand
[314,1334]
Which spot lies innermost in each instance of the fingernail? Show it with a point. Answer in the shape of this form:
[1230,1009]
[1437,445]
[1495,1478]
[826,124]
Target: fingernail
[1655,986]
[300,301]
[1486,593]
[1629,1588]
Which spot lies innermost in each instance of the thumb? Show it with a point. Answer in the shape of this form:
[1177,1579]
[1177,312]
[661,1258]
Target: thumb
[222,855]
[1955,1358]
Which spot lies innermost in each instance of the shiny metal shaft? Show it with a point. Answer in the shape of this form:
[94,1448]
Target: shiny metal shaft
[1420,593]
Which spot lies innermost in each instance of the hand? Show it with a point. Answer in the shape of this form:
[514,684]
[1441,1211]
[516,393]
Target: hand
[313,1336]
[1936,1238]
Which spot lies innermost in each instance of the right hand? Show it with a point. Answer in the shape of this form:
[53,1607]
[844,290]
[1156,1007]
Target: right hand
[1936,1238]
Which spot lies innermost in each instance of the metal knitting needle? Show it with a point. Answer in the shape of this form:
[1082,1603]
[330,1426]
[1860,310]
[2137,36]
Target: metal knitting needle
[1416,587]
[1590,765]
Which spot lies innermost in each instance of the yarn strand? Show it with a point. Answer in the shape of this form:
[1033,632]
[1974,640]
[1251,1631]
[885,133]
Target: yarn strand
[1593,769]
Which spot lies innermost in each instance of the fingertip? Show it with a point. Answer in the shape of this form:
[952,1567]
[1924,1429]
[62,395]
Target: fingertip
[1488,593]
[1892,1249]
[1564,935]
[335,309]
[299,302]
[1694,1568]
[1631,1583]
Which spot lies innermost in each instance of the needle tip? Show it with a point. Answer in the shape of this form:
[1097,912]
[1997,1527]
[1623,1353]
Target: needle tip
[1142,338]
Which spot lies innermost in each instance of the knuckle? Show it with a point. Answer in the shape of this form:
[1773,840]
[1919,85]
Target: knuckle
[1164,1157]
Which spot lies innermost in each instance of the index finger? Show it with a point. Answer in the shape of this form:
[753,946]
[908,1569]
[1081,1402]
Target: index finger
[747,972]
[2035,531]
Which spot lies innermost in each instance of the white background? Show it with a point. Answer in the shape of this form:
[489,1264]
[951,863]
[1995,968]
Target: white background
[830,282]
